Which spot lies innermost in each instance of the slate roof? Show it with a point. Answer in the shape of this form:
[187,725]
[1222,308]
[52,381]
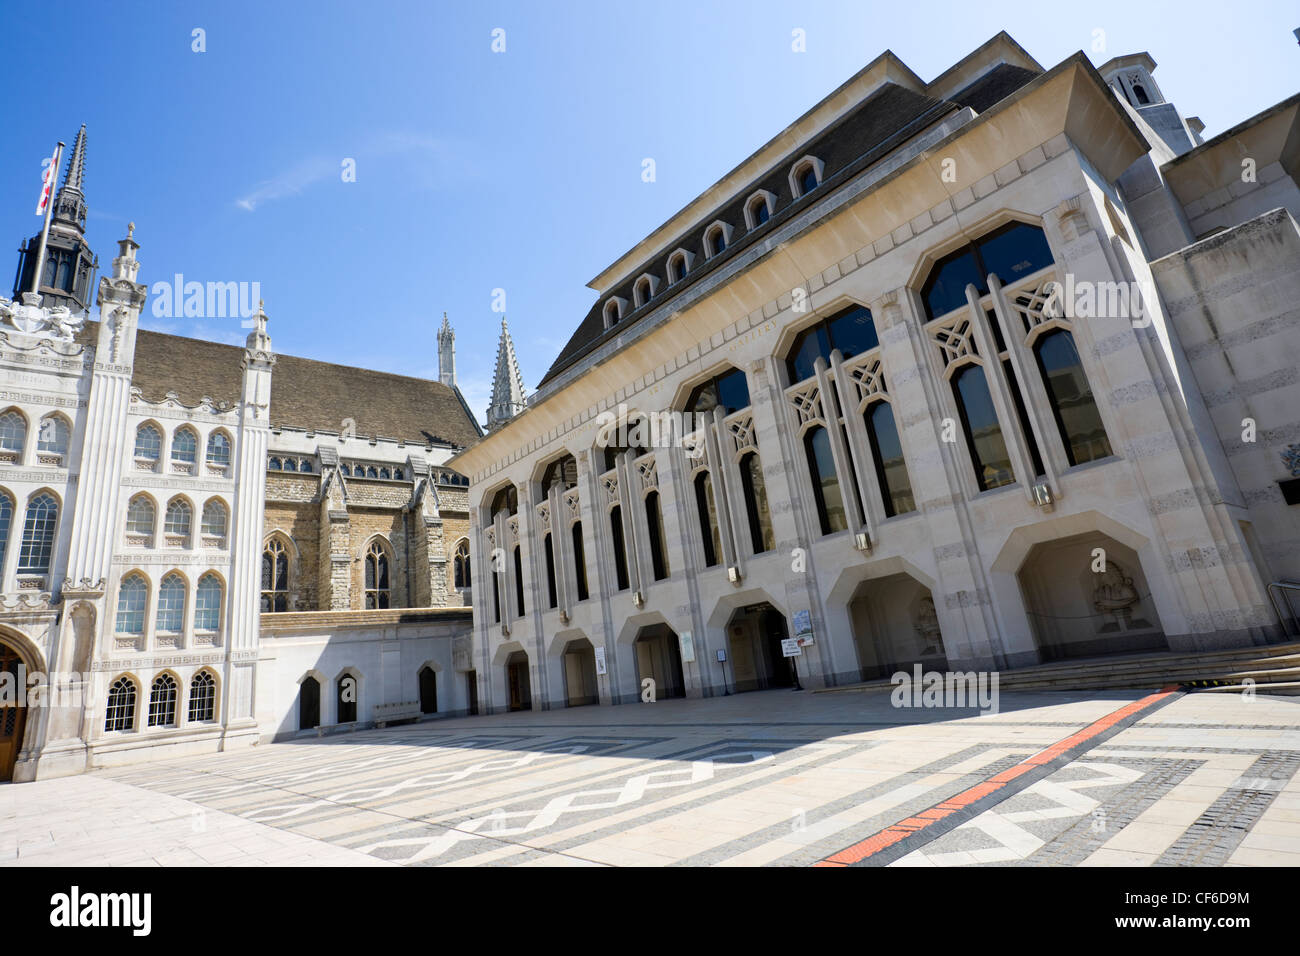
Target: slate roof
[305,393]
[876,127]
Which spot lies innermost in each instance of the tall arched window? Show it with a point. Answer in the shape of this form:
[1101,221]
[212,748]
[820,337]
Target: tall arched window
[309,704]
[519,581]
[887,450]
[620,547]
[214,522]
[207,603]
[171,604]
[377,590]
[6,522]
[979,421]
[549,550]
[561,473]
[218,449]
[162,701]
[1010,252]
[177,521]
[761,536]
[141,517]
[851,330]
[275,578]
[148,442]
[708,515]
[185,446]
[38,535]
[52,436]
[120,714]
[460,565]
[203,697]
[580,561]
[655,524]
[826,484]
[727,390]
[13,432]
[132,597]
[1070,395]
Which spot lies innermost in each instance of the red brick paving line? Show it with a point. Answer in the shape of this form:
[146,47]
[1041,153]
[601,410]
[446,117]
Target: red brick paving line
[905,828]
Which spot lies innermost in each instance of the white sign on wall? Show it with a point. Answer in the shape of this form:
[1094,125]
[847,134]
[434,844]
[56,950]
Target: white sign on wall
[600,660]
[790,647]
[687,647]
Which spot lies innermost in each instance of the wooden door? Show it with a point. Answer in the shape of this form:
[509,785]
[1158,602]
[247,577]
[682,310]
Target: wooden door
[12,717]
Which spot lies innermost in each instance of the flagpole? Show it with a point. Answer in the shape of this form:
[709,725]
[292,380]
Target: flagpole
[45,230]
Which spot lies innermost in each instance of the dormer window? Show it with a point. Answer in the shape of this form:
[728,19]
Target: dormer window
[613,312]
[715,240]
[759,209]
[679,263]
[805,176]
[644,289]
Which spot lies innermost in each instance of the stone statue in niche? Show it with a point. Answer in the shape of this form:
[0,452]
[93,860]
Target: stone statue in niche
[1115,597]
[926,624]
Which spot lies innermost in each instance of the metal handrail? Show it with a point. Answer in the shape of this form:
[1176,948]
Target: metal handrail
[1283,586]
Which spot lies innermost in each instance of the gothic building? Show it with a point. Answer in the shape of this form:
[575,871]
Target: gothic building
[203,546]
[977,372]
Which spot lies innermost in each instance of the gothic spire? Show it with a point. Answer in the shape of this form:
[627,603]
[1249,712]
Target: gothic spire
[507,383]
[70,202]
[446,353]
[76,162]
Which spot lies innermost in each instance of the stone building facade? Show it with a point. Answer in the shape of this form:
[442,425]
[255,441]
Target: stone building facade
[978,372]
[203,546]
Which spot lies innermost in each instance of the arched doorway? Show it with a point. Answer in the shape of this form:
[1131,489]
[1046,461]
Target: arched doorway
[580,673]
[309,704]
[895,626]
[518,685]
[754,636]
[658,657]
[428,690]
[13,710]
[1086,595]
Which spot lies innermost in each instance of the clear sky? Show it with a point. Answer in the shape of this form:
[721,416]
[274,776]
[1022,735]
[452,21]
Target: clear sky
[478,170]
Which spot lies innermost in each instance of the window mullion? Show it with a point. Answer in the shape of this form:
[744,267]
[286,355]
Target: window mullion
[839,454]
[864,465]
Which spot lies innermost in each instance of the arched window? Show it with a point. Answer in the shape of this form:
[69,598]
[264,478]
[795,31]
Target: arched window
[214,520]
[1010,252]
[377,592]
[460,565]
[13,432]
[1070,395]
[162,701]
[708,514]
[826,483]
[655,523]
[309,704]
[519,582]
[715,241]
[347,688]
[548,550]
[636,430]
[887,450]
[641,291]
[38,535]
[207,603]
[620,547]
[185,446]
[496,597]
[275,464]
[1141,94]
[580,561]
[372,472]
[52,436]
[178,519]
[275,578]
[290,464]
[851,330]
[613,312]
[346,469]
[761,536]
[677,268]
[728,390]
[203,698]
[141,517]
[6,522]
[757,211]
[171,604]
[561,473]
[120,714]
[148,442]
[305,466]
[385,474]
[428,690]
[218,449]
[979,422]
[132,597]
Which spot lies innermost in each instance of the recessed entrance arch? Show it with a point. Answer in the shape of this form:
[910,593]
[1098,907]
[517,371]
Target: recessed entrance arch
[428,690]
[13,710]
[658,657]
[580,686]
[895,626]
[1087,595]
[518,686]
[754,636]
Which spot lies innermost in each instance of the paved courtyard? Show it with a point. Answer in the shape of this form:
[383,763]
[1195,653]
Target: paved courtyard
[772,778]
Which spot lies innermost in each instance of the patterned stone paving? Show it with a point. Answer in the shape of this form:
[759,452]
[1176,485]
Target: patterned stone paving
[769,778]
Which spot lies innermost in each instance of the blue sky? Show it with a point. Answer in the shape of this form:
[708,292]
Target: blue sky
[475,170]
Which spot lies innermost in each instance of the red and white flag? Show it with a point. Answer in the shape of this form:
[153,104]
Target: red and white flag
[47,184]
